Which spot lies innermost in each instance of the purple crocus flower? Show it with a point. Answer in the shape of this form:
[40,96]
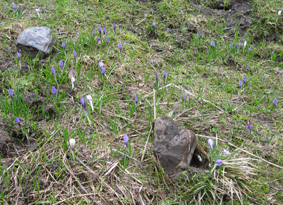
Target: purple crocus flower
[14,6]
[18,55]
[184,96]
[74,53]
[104,30]
[10,91]
[99,29]
[70,74]
[136,99]
[82,101]
[100,64]
[114,26]
[61,64]
[18,121]
[249,127]
[274,102]
[226,152]
[103,71]
[107,41]
[219,162]
[53,70]
[156,76]
[153,24]
[93,32]
[239,44]
[211,142]
[126,140]
[245,79]
[272,53]
[63,45]
[97,40]
[230,46]
[212,44]
[53,90]
[240,84]
[120,46]
[250,49]
[164,74]
[236,45]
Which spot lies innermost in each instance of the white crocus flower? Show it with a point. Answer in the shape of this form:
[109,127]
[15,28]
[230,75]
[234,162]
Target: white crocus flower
[72,143]
[72,81]
[279,13]
[245,43]
[89,98]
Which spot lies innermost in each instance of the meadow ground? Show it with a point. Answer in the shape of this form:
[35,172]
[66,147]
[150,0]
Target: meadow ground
[226,56]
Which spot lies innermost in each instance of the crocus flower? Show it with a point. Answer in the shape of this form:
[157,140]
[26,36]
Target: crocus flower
[107,41]
[164,74]
[18,121]
[239,44]
[100,64]
[245,79]
[249,127]
[72,81]
[74,53]
[37,11]
[89,98]
[184,96]
[53,90]
[61,64]
[236,45]
[153,24]
[14,6]
[18,55]
[120,46]
[250,49]
[72,143]
[211,142]
[126,140]
[230,46]
[104,30]
[240,84]
[53,70]
[279,12]
[99,29]
[114,27]
[93,32]
[10,91]
[219,162]
[63,45]
[70,74]
[103,71]
[136,99]
[212,43]
[274,102]
[226,152]
[82,101]
[156,76]
[97,40]
[245,43]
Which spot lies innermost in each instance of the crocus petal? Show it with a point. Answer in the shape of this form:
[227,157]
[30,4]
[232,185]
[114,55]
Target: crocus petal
[211,142]
[219,162]
[126,140]
[72,143]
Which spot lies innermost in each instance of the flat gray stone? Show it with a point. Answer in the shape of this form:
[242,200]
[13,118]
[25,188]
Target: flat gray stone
[173,146]
[35,39]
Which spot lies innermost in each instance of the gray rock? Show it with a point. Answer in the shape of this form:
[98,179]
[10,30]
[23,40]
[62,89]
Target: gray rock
[35,39]
[173,146]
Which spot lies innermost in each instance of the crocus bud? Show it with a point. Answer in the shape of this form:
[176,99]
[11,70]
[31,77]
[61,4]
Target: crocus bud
[126,140]
[212,44]
[74,53]
[250,49]
[249,127]
[219,162]
[82,101]
[245,79]
[18,121]
[18,55]
[226,152]
[184,96]
[89,98]
[153,24]
[97,40]
[156,76]
[230,46]
[53,71]
[136,99]
[10,91]
[72,143]
[61,64]
[211,142]
[164,74]
[72,81]
[240,84]
[63,45]
[100,64]
[239,44]
[99,29]
[114,26]
[245,43]
[14,6]
[93,32]
[120,46]
[103,71]
[279,12]
[53,90]
[107,41]
[104,30]
[274,102]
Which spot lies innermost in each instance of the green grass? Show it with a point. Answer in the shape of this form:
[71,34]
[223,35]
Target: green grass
[180,44]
